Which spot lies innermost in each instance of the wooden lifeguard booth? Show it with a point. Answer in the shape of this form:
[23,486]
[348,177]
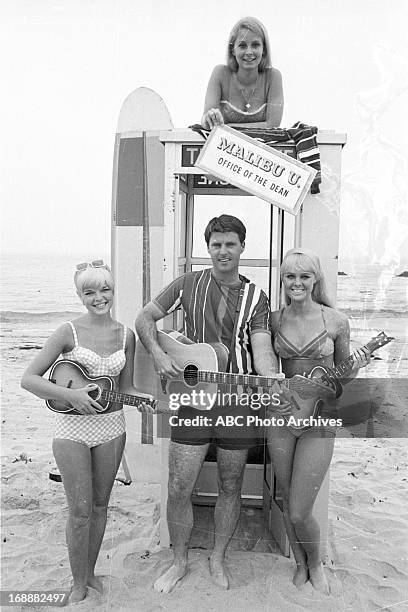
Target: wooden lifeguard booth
[160,206]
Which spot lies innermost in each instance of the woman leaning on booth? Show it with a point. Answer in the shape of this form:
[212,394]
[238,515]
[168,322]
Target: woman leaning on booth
[248,90]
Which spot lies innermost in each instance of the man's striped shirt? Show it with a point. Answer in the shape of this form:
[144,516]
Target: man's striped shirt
[209,307]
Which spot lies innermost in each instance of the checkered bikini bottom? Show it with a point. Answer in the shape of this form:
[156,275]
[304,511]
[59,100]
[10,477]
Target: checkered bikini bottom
[89,429]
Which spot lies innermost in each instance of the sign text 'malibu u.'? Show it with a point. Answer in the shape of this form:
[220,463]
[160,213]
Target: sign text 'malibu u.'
[256,168]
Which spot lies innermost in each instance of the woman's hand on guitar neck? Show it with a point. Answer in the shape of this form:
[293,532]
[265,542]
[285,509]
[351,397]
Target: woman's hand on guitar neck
[82,401]
[159,407]
[361,357]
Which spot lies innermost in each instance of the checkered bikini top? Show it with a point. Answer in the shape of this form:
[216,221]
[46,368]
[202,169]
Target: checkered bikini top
[96,365]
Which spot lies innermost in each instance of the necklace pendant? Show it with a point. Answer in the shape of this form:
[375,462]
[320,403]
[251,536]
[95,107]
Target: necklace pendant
[247,105]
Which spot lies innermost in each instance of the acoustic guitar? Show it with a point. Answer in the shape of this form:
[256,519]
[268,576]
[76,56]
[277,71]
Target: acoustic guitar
[72,375]
[203,368]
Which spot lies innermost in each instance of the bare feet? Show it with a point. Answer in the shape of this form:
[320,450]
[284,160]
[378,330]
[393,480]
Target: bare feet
[170,578]
[77,594]
[218,572]
[95,583]
[301,576]
[318,579]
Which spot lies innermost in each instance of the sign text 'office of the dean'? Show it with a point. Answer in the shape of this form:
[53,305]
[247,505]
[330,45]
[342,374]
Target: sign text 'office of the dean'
[256,168]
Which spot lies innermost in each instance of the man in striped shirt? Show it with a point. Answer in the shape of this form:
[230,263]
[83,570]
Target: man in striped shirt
[219,305]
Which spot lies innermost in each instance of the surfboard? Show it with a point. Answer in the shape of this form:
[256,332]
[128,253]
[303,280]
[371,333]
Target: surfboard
[137,233]
[143,110]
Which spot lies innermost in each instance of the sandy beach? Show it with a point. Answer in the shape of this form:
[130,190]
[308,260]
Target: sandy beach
[368,527]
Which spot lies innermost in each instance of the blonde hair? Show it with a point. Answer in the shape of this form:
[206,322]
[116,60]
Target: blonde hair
[308,261]
[92,278]
[255,26]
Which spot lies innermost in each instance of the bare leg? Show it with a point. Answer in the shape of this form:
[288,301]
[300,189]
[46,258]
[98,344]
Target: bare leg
[185,462]
[74,463]
[282,447]
[105,464]
[231,466]
[311,462]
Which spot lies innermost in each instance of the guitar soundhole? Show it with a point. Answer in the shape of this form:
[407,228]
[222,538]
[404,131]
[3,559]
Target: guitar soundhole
[95,393]
[190,375]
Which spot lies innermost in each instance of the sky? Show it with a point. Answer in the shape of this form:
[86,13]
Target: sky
[69,64]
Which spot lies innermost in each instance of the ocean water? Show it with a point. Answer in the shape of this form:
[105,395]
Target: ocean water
[366,289]
[371,288]
[39,284]
[37,294]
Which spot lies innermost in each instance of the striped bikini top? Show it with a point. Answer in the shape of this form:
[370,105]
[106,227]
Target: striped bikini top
[321,346]
[96,365]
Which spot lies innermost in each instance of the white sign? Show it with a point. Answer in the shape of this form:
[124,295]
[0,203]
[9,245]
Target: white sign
[256,168]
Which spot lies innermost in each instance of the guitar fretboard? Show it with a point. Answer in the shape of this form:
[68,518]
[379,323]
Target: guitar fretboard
[235,379]
[124,398]
[249,380]
[344,367]
[347,365]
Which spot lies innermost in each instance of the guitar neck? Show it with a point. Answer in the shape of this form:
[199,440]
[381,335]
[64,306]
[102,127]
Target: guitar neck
[228,378]
[345,366]
[253,380]
[124,398]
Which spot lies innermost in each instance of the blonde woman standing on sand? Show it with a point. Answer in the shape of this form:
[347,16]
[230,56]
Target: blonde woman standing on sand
[87,446]
[248,90]
[307,332]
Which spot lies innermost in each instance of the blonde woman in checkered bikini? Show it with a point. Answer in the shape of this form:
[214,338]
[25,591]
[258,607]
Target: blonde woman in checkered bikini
[88,446]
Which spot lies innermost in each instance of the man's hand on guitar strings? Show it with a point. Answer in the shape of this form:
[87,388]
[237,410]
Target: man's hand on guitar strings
[165,366]
[82,402]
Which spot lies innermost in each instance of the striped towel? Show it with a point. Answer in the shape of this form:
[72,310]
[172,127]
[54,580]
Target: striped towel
[302,136]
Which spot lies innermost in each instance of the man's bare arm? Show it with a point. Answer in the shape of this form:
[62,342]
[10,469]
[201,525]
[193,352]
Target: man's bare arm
[266,364]
[265,361]
[147,331]
[146,327]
